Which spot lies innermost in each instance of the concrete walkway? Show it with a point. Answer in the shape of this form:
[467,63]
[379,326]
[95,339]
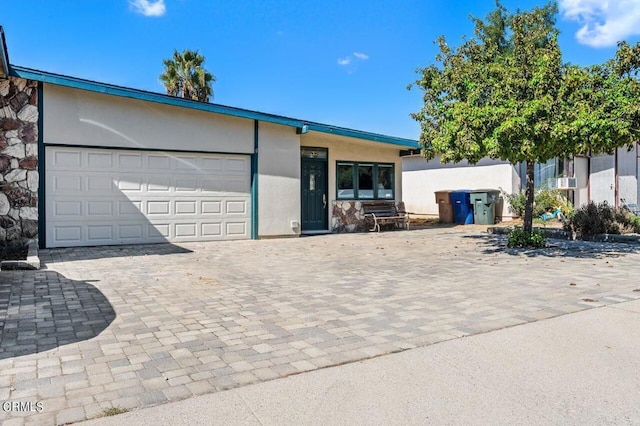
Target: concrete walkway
[133,327]
[577,369]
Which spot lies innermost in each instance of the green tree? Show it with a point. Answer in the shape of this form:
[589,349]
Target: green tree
[185,77]
[506,94]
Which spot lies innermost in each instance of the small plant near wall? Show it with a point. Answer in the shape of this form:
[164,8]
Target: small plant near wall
[519,238]
[545,200]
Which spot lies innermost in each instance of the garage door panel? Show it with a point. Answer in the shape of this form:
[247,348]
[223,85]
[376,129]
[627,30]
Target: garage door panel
[100,183]
[186,163]
[212,164]
[158,162]
[211,229]
[67,183]
[236,229]
[235,165]
[67,159]
[186,184]
[130,183]
[100,160]
[99,233]
[68,234]
[100,196]
[100,208]
[186,207]
[126,208]
[159,231]
[236,207]
[155,208]
[129,161]
[159,185]
[68,208]
[211,207]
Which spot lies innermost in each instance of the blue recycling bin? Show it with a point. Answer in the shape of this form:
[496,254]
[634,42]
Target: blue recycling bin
[462,207]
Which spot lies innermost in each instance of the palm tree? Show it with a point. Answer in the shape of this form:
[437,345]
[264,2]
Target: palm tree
[185,77]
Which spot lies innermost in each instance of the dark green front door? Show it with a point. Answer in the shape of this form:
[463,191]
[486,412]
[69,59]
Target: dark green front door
[314,194]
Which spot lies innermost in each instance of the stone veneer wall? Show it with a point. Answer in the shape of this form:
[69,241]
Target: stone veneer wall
[19,178]
[347,216]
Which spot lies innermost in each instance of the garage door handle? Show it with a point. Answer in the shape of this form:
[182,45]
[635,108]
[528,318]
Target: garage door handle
[324,200]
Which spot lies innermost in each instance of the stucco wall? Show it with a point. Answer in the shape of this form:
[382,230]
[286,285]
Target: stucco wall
[627,175]
[421,178]
[79,117]
[581,172]
[278,180]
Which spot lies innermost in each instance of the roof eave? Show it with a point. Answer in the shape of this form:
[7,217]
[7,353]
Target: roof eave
[109,89]
[4,55]
[126,92]
[359,134]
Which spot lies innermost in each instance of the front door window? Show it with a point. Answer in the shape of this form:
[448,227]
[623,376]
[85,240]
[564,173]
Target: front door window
[314,189]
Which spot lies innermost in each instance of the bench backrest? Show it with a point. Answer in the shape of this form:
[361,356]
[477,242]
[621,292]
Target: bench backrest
[382,209]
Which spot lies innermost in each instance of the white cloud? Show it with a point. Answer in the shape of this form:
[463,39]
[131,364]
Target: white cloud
[148,7]
[348,60]
[603,22]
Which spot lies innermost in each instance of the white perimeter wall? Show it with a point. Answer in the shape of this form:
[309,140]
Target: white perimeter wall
[78,117]
[278,180]
[581,172]
[628,175]
[421,178]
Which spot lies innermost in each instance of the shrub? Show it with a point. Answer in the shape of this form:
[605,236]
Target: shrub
[601,218]
[544,200]
[516,201]
[519,238]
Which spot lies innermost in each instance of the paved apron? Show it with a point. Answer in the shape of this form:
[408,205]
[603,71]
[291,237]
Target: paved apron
[136,326]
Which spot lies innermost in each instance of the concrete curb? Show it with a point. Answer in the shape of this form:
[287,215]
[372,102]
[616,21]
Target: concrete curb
[32,262]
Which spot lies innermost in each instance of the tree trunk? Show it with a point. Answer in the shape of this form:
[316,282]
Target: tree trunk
[528,207]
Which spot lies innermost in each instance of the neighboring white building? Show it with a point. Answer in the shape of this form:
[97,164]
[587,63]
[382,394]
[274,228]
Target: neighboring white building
[597,178]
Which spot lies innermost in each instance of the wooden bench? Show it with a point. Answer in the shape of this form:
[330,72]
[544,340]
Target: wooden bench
[384,212]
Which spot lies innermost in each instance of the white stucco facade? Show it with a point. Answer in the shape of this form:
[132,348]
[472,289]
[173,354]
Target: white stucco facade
[85,120]
[80,117]
[278,180]
[422,178]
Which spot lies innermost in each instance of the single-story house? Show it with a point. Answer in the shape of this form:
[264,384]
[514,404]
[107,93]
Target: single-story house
[598,178]
[85,163]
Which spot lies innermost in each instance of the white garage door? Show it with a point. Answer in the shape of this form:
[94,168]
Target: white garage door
[105,197]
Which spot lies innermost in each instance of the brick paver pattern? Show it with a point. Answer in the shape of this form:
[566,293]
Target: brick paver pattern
[136,326]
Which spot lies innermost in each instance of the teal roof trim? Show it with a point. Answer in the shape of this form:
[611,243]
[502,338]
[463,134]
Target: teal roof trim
[359,134]
[110,89]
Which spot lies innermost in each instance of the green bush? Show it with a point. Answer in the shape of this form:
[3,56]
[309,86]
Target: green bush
[544,200]
[519,238]
[516,201]
[601,218]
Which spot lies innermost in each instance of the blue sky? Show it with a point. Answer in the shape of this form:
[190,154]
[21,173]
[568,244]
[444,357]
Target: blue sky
[345,63]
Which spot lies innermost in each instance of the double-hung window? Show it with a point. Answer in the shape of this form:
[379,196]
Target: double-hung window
[364,181]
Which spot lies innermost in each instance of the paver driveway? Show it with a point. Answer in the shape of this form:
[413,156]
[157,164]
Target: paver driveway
[136,326]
